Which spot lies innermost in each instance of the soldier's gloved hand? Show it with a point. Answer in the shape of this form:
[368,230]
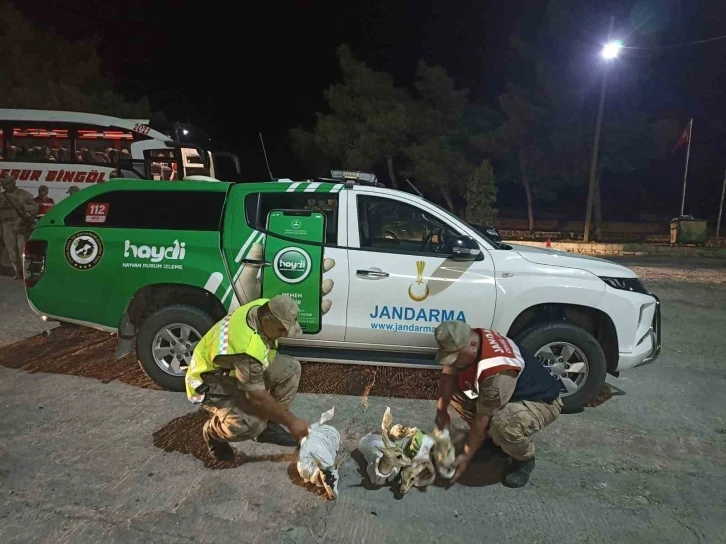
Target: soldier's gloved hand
[248,287]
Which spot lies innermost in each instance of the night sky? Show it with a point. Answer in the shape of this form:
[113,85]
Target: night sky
[253,67]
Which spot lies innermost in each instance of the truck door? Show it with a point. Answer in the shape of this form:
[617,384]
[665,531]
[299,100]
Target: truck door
[244,236]
[403,280]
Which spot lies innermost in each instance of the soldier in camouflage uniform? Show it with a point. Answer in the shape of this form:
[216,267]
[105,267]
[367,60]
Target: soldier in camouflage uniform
[499,389]
[17,210]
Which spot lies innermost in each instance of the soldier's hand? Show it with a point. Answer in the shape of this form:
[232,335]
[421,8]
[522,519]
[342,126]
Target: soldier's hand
[461,463]
[248,286]
[299,428]
[442,419]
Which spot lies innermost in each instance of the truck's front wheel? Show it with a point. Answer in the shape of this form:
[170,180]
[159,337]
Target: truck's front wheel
[573,356]
[166,342]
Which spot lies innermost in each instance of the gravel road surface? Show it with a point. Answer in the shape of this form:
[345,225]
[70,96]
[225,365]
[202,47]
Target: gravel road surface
[91,451]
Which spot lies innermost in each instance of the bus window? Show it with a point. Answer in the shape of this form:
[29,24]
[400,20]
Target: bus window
[102,146]
[162,164]
[38,145]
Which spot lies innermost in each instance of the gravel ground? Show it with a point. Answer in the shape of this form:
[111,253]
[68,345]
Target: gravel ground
[17,320]
[91,451]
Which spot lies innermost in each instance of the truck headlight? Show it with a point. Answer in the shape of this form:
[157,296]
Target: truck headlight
[625,284]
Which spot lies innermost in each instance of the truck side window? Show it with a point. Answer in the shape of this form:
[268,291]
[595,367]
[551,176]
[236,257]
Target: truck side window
[159,210]
[259,205]
[391,225]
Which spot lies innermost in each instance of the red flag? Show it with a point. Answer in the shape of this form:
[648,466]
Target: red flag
[684,137]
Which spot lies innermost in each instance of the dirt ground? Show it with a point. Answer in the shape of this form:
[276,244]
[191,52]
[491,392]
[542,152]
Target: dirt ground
[91,450]
[79,351]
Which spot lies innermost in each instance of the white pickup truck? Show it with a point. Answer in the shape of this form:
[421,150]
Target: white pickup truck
[163,258]
[405,264]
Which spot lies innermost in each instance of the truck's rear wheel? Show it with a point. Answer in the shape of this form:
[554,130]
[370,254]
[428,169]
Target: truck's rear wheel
[573,356]
[166,342]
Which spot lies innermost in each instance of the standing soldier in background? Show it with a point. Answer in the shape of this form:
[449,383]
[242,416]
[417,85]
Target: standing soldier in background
[17,210]
[44,202]
[5,264]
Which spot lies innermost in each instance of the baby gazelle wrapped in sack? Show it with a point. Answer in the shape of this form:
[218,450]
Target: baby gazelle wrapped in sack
[418,447]
[384,459]
[429,454]
[406,451]
[319,460]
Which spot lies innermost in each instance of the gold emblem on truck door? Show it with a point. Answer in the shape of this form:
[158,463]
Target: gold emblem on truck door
[418,291]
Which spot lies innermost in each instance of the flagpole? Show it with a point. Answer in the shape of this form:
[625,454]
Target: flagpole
[720,208]
[685,174]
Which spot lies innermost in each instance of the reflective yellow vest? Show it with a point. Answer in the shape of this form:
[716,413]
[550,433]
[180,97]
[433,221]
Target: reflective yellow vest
[230,336]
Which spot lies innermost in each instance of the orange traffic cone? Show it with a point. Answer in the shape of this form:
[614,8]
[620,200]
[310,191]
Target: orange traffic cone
[548,244]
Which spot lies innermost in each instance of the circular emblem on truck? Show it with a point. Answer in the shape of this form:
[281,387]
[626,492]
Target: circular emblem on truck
[84,250]
[292,264]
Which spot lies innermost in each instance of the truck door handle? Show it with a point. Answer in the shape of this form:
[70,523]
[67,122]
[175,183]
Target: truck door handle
[372,274]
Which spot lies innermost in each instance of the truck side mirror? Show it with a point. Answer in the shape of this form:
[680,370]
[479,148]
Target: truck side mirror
[465,248]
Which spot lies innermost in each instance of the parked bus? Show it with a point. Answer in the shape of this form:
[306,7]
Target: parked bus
[63,149]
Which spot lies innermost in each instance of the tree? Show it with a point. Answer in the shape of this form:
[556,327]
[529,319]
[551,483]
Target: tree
[41,70]
[629,139]
[438,106]
[480,195]
[523,133]
[424,132]
[368,122]
[436,153]
[440,167]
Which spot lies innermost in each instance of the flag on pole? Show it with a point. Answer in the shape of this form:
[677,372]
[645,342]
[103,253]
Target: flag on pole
[688,138]
[684,137]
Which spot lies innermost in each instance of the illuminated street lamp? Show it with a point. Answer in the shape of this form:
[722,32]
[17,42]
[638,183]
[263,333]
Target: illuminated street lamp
[612,49]
[609,52]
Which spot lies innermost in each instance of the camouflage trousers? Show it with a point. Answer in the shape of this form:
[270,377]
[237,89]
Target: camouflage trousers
[512,427]
[232,420]
[13,237]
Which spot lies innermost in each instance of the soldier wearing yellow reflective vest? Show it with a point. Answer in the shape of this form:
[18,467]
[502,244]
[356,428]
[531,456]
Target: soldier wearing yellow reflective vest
[238,376]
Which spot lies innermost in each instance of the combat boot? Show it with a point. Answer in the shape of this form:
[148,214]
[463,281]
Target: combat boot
[491,451]
[519,473]
[218,449]
[276,434]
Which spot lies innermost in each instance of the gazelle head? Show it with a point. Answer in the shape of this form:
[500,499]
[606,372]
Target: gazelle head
[393,457]
[329,474]
[443,453]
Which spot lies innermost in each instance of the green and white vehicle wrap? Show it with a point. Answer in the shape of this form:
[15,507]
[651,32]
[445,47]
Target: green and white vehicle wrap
[116,269]
[160,262]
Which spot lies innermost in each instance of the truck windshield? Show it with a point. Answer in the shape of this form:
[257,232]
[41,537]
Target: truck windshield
[494,243]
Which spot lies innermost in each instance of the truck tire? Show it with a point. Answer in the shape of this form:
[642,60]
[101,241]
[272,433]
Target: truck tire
[585,367]
[164,356]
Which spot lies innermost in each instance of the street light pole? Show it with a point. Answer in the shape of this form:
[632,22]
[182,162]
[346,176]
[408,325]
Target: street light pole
[596,146]
[720,208]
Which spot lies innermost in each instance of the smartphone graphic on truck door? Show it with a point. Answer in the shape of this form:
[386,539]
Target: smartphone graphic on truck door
[295,268]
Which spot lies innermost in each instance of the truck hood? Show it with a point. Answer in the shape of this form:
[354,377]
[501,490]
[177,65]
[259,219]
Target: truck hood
[599,267]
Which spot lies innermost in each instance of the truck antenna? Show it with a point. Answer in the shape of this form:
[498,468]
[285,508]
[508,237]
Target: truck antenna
[414,187]
[266,161]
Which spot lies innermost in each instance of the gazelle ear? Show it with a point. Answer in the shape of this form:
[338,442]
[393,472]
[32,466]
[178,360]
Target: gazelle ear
[339,460]
[387,419]
[439,434]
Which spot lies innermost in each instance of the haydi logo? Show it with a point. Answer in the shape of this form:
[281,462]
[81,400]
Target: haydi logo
[292,265]
[154,253]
